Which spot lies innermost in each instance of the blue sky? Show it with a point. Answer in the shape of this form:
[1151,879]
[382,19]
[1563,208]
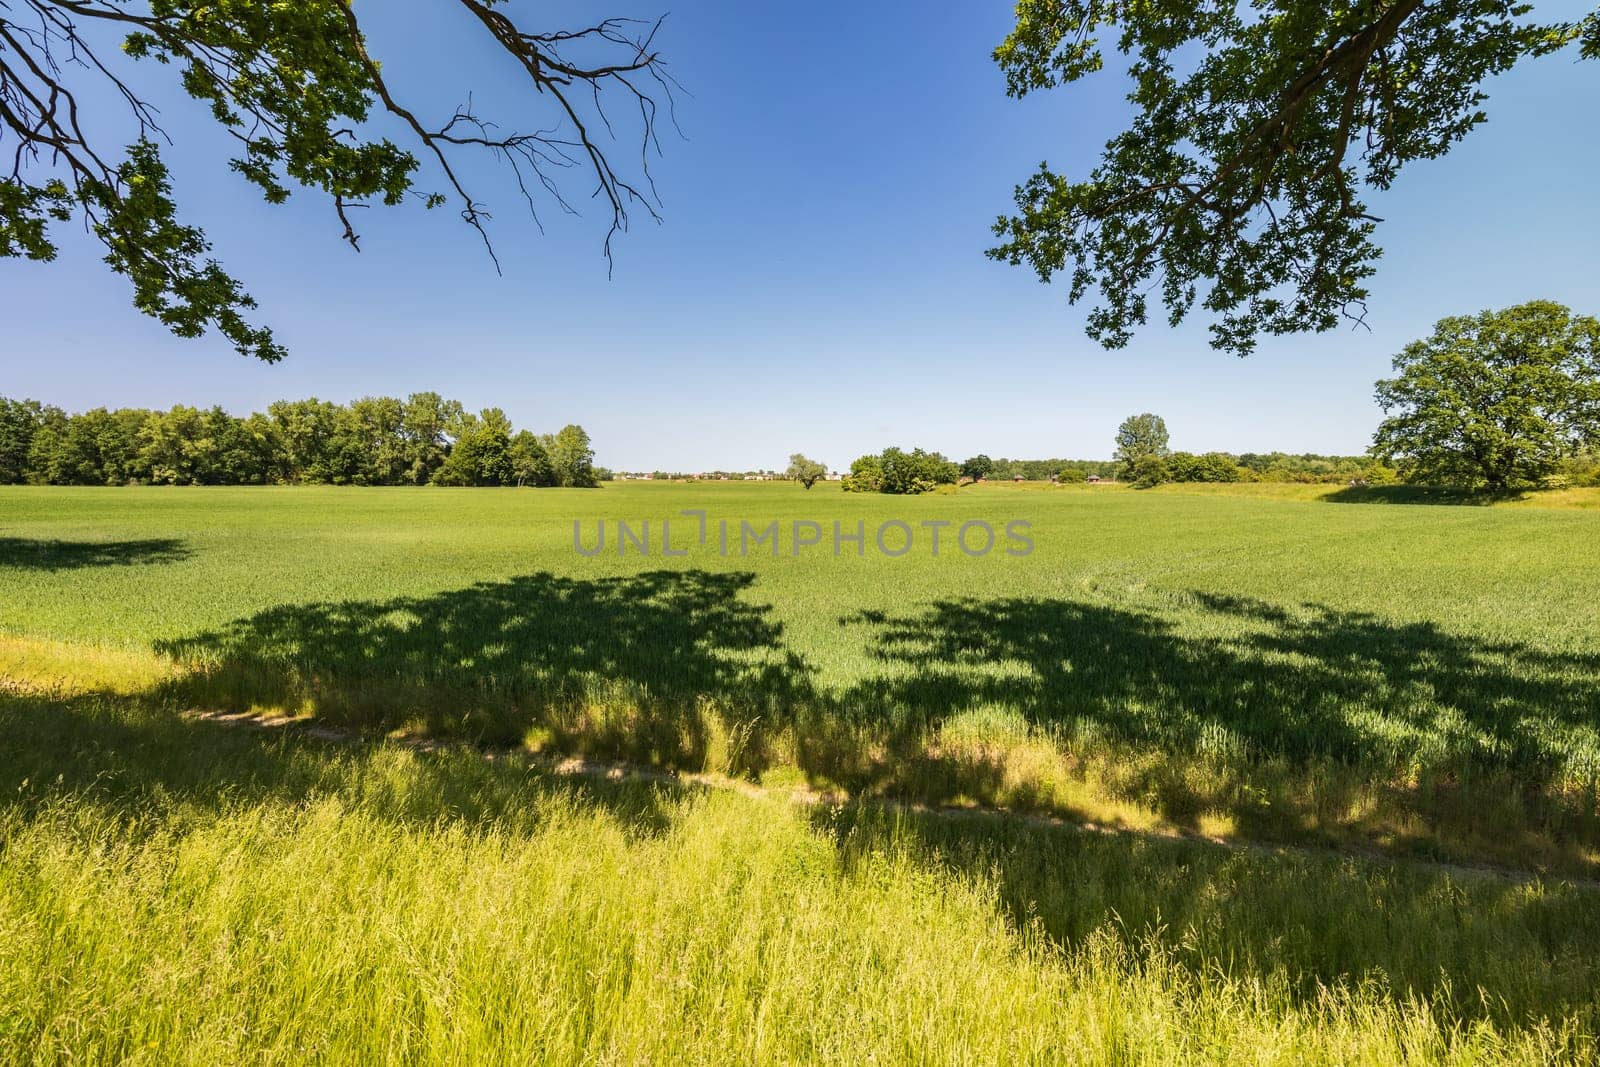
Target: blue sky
[818,282]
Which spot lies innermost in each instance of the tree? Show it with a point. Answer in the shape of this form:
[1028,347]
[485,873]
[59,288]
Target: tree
[423,424]
[530,462]
[296,87]
[1238,181]
[807,472]
[979,466]
[1495,400]
[1140,436]
[866,475]
[572,458]
[481,451]
[895,470]
[19,422]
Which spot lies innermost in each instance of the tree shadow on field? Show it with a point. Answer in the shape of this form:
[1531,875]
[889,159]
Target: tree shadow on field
[655,667]
[1244,684]
[142,762]
[1420,494]
[23,553]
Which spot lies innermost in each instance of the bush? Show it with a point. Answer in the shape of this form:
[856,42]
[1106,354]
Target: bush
[899,471]
[1149,472]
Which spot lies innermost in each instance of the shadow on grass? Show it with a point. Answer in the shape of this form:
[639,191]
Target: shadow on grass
[1420,494]
[23,553]
[1306,724]
[649,667]
[147,763]
[1286,722]
[1302,922]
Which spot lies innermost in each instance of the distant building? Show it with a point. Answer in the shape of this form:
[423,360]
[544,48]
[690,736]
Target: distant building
[1094,479]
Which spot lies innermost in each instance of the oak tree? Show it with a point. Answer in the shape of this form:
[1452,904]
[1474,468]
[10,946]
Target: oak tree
[1238,182]
[299,91]
[1495,400]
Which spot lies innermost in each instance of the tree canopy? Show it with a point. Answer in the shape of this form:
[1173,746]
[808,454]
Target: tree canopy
[1140,436]
[1238,182]
[807,472]
[296,87]
[1495,400]
[894,470]
[421,440]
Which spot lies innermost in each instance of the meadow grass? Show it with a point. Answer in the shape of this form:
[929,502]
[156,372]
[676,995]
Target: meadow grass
[1417,679]
[178,892]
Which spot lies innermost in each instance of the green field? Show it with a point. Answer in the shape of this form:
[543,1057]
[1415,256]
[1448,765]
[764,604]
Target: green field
[1383,683]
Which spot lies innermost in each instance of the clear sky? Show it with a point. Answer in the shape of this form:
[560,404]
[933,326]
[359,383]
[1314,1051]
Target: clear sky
[818,282]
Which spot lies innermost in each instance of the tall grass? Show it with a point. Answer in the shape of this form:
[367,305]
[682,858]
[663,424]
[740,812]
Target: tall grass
[174,892]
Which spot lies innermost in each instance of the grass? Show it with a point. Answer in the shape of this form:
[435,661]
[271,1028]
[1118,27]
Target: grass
[178,892]
[1251,666]
[1418,680]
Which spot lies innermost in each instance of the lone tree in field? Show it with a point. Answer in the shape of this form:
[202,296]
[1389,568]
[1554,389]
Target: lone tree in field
[1238,182]
[1495,400]
[1140,436]
[296,87]
[807,472]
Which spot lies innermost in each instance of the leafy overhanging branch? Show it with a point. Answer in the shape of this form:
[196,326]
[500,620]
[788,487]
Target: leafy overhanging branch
[1239,177]
[295,85]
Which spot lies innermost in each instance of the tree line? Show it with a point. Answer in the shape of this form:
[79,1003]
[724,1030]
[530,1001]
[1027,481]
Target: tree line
[421,440]
[1142,457]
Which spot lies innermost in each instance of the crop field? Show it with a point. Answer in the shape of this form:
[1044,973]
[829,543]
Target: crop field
[1281,703]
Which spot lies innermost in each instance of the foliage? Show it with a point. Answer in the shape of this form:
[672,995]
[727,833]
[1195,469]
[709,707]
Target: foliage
[297,89]
[1072,476]
[1148,471]
[1210,467]
[1238,181]
[373,441]
[1140,436]
[978,467]
[481,453]
[1497,400]
[572,458]
[897,471]
[805,471]
[866,475]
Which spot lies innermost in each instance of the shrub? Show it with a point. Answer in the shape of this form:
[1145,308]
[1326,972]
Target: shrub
[1149,472]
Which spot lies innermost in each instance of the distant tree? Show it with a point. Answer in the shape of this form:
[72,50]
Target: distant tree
[807,472]
[530,461]
[424,422]
[1072,475]
[1148,471]
[481,451]
[572,458]
[1211,467]
[307,429]
[979,466]
[1140,436]
[1495,400]
[866,475]
[19,421]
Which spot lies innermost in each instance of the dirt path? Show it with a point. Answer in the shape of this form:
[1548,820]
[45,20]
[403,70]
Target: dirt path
[576,767]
